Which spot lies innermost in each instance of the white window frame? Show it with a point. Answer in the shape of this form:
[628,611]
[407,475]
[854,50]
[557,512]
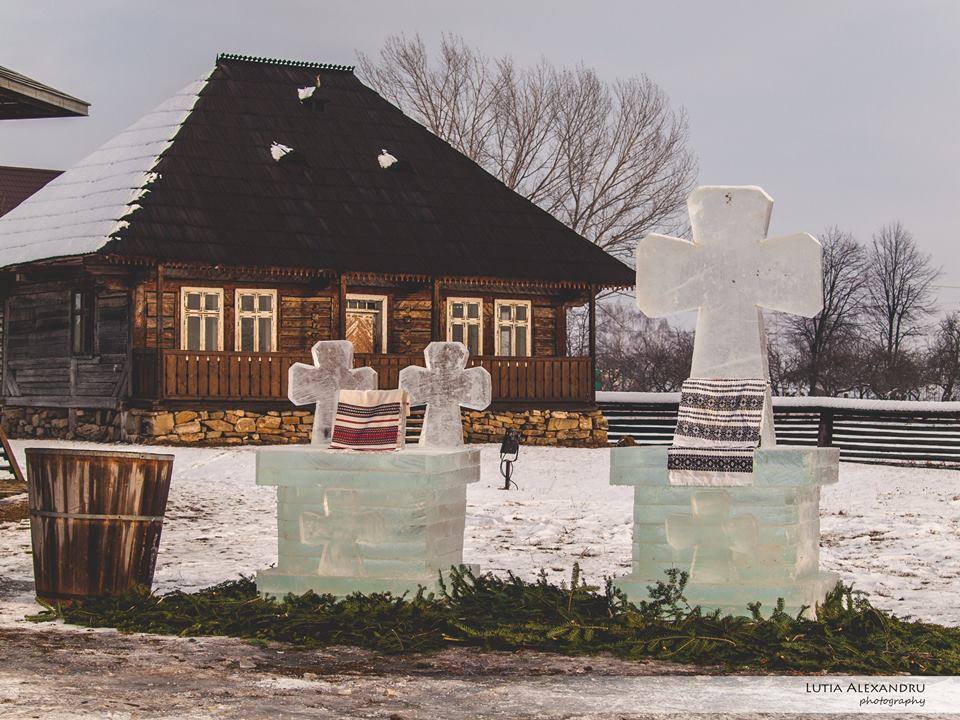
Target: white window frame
[497,304]
[255,314]
[383,315]
[184,314]
[478,322]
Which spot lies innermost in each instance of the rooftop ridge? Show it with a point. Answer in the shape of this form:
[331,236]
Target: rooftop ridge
[285,63]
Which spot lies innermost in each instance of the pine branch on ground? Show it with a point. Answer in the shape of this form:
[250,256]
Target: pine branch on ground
[490,612]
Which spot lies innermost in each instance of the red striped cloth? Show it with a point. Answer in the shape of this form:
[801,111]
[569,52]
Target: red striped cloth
[370,420]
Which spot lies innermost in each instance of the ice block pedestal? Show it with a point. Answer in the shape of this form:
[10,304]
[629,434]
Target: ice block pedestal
[367,522]
[740,544]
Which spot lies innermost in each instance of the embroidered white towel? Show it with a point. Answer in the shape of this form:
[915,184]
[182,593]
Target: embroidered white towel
[719,424]
[370,420]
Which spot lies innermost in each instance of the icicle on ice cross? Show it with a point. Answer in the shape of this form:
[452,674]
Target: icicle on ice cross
[728,273]
[714,536]
[444,385]
[321,383]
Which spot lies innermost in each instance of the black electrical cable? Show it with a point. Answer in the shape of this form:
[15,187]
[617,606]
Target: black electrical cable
[506,469]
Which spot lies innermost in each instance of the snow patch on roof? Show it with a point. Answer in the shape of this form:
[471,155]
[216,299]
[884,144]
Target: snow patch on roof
[385,159]
[279,150]
[77,213]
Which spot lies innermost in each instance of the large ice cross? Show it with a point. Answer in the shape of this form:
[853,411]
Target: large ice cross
[716,538]
[728,273]
[321,383]
[444,385]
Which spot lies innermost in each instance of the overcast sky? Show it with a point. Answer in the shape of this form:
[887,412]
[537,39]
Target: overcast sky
[847,112]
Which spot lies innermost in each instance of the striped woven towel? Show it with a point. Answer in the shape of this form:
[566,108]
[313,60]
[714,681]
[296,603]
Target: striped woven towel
[718,428]
[370,420]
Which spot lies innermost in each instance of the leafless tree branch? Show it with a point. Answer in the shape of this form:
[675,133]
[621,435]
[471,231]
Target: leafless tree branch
[608,159]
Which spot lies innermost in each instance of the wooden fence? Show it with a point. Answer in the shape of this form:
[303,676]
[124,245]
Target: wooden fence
[888,432]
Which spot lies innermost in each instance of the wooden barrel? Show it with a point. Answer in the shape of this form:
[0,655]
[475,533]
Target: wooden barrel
[95,519]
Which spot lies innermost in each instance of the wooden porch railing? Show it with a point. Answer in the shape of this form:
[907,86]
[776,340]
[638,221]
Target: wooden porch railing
[513,379]
[228,376]
[188,375]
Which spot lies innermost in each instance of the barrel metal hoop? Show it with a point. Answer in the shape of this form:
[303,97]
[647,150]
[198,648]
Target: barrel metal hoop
[82,516]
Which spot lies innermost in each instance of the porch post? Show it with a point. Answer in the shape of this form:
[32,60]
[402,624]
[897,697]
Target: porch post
[342,308]
[435,311]
[159,350]
[593,341]
[560,330]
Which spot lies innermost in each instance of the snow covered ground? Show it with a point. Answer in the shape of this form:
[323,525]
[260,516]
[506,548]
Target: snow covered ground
[893,532]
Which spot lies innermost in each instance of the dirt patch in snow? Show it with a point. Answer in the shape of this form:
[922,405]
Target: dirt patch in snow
[14,509]
[10,487]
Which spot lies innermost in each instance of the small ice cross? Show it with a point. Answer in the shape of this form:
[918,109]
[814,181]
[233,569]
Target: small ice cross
[444,385]
[321,383]
[729,271]
[714,536]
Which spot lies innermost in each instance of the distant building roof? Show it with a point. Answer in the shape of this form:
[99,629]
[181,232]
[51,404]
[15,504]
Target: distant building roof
[279,163]
[22,98]
[19,183]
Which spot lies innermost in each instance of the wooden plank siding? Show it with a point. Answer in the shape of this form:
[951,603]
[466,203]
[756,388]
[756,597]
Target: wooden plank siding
[40,367]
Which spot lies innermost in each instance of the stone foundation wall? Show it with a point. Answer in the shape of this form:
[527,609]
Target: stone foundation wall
[61,424]
[275,427]
[562,428]
[219,427]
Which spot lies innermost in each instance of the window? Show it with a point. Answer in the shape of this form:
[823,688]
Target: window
[465,323]
[256,320]
[513,327]
[201,312]
[81,322]
[367,323]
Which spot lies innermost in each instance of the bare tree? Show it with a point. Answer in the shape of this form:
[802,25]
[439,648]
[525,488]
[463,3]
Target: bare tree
[453,97]
[900,301]
[900,288]
[944,358]
[640,354]
[608,159]
[818,344]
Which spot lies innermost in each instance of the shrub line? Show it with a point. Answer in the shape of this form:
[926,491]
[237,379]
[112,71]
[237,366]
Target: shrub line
[495,613]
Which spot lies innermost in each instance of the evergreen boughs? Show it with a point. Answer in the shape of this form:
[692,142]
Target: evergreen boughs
[849,636]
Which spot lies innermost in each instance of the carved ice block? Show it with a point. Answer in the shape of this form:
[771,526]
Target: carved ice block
[365,522]
[741,544]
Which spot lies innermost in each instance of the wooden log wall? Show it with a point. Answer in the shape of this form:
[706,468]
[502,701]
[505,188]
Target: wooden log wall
[308,315]
[40,368]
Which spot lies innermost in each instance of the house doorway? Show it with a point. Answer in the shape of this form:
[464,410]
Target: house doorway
[367,323]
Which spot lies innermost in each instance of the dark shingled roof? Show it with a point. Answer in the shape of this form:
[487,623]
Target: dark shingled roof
[19,183]
[221,198]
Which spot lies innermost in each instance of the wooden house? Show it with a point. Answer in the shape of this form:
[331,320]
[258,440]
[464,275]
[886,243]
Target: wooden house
[161,288]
